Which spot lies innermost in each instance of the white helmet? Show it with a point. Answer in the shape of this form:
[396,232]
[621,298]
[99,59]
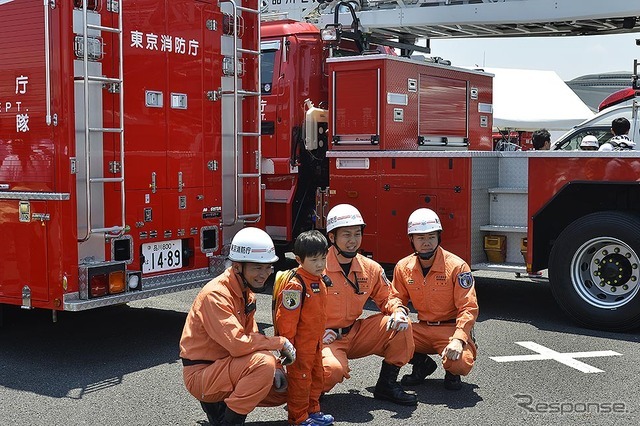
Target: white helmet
[423,221]
[343,215]
[589,141]
[252,245]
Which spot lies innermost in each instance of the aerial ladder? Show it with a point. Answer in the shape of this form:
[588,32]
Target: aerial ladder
[410,20]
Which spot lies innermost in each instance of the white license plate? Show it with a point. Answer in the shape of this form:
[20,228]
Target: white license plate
[162,256]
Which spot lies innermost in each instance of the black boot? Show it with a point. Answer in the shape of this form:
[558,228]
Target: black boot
[231,418]
[389,389]
[423,366]
[452,381]
[215,411]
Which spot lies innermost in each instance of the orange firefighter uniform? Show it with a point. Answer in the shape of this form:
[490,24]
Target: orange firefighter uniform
[446,303]
[358,338]
[300,317]
[225,357]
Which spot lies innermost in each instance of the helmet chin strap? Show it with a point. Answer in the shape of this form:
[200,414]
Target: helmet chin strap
[428,255]
[347,254]
[247,285]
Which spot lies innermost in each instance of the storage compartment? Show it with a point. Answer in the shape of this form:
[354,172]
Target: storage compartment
[495,246]
[381,102]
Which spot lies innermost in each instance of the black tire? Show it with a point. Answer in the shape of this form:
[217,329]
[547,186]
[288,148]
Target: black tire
[594,271]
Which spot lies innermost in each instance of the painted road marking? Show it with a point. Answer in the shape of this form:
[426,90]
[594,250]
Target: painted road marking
[568,359]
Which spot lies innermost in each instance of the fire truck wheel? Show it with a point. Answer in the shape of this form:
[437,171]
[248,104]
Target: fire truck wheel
[594,270]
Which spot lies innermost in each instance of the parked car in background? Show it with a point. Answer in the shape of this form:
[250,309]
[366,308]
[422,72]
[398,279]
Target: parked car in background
[600,127]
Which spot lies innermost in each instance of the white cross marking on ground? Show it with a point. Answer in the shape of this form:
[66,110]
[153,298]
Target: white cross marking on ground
[567,359]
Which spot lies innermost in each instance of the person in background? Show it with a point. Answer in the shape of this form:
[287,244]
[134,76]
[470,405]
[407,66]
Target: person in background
[228,363]
[589,143]
[300,314]
[541,140]
[441,288]
[356,279]
[620,140]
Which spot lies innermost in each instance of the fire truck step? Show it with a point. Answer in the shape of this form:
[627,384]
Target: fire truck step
[98,79]
[504,228]
[239,92]
[500,267]
[246,9]
[107,230]
[103,28]
[248,216]
[249,51]
[106,129]
[106,180]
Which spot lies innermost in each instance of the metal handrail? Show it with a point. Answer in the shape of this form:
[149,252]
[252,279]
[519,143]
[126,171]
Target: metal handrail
[47,64]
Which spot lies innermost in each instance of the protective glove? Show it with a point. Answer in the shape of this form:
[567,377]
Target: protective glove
[398,321]
[280,381]
[287,353]
[453,350]
[329,336]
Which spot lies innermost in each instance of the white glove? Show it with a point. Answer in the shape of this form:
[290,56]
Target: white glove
[280,381]
[329,336]
[398,321]
[287,353]
[453,350]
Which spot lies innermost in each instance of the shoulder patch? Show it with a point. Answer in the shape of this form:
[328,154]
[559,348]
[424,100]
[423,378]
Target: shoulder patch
[291,299]
[465,280]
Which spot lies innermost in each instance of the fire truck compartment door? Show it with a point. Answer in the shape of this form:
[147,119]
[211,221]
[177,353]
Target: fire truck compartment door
[23,251]
[170,122]
[396,205]
[443,107]
[190,115]
[356,106]
[27,151]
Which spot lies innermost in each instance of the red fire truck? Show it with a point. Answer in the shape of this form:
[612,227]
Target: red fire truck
[401,135]
[112,145]
[214,135]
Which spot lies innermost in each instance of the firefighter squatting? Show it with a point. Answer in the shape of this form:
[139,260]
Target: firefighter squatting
[318,321]
[115,143]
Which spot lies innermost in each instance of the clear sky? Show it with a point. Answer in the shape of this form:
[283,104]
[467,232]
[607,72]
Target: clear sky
[570,57]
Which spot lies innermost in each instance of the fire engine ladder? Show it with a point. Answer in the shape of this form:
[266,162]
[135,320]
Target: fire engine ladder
[239,94]
[116,87]
[441,19]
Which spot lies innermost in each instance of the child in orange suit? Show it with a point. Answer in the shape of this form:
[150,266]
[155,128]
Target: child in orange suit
[300,317]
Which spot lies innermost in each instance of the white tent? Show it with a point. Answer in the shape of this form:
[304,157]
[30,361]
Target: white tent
[530,99]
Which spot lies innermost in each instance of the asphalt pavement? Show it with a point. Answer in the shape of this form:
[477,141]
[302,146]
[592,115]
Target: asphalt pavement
[119,366]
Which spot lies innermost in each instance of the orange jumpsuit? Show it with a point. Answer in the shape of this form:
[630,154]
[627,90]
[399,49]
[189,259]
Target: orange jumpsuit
[367,336]
[218,329]
[300,317]
[446,295]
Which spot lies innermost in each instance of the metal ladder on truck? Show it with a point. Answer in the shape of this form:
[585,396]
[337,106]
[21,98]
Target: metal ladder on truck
[443,19]
[245,46]
[115,86]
